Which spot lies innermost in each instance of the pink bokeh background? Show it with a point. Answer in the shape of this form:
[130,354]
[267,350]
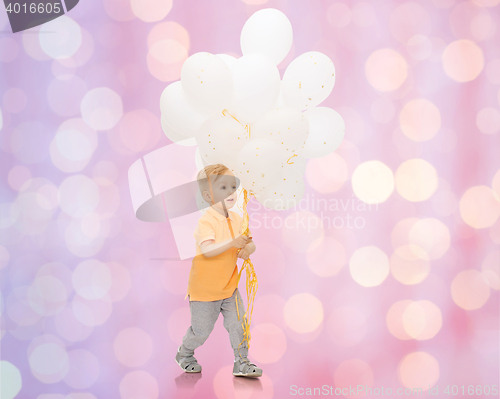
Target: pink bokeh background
[398,294]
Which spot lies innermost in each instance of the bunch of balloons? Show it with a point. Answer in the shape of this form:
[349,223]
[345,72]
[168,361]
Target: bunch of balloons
[244,116]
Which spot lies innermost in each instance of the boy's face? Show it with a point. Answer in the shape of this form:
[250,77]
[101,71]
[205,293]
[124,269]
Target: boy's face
[224,188]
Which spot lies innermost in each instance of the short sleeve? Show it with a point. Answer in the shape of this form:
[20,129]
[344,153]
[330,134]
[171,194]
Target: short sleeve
[204,231]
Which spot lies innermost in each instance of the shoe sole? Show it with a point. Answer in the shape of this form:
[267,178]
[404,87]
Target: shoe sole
[249,375]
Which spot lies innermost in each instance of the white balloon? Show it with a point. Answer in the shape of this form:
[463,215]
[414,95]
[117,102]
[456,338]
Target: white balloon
[308,80]
[259,164]
[256,87]
[296,162]
[175,136]
[268,32]
[207,82]
[326,132]
[280,102]
[198,160]
[178,113]
[285,194]
[220,140]
[286,126]
[228,59]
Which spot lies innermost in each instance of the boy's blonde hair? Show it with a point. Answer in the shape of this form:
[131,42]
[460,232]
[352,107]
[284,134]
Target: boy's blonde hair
[210,170]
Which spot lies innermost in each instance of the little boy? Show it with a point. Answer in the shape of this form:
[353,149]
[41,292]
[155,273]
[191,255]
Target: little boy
[212,286]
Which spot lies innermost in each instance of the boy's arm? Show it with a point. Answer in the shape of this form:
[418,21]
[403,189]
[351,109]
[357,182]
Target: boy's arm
[250,246]
[209,248]
[247,250]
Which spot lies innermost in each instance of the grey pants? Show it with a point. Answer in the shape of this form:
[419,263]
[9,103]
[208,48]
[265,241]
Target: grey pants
[203,318]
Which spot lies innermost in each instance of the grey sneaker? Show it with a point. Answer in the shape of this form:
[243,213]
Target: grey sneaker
[188,364]
[244,368]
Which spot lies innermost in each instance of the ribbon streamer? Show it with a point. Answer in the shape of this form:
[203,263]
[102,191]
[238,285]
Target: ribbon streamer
[251,281]
[247,126]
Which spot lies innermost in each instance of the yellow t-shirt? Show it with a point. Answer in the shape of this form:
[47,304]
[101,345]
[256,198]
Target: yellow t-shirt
[214,278]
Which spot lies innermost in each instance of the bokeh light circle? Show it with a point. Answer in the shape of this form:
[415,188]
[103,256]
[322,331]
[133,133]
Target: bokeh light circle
[372,182]
[470,290]
[93,312]
[420,119]
[79,195]
[491,269]
[369,266]
[418,370]
[409,19]
[17,176]
[92,279]
[101,108]
[408,268]
[422,320]
[303,313]
[73,145]
[268,343]
[48,359]
[416,180]
[133,347]
[168,44]
[394,319]
[429,239]
[83,370]
[338,15]
[480,207]
[463,60]
[47,295]
[11,380]
[419,47]
[327,174]
[488,120]
[66,42]
[139,384]
[151,10]
[386,69]
[119,10]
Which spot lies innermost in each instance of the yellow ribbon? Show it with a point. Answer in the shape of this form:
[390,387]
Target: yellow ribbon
[251,283]
[247,126]
[294,155]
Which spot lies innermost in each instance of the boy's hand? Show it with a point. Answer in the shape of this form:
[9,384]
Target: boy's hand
[244,253]
[241,241]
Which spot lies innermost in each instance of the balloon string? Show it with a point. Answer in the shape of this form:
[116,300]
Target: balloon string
[247,126]
[251,282]
[294,155]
